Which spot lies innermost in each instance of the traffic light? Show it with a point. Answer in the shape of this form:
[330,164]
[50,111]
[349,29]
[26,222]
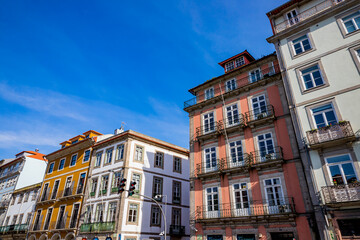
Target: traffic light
[122,185]
[132,188]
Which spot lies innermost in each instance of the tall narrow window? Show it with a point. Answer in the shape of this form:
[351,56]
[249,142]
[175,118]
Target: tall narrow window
[61,219]
[88,214]
[259,107]
[137,178]
[212,202]
[292,17]
[120,152]
[236,154]
[112,212]
[45,192]
[99,215]
[176,217]
[230,85]
[73,160]
[51,167]
[157,187]
[341,169]
[48,217]
[266,147]
[133,212]
[104,184]
[324,115]
[232,115]
[241,199]
[28,219]
[210,159]
[56,187]
[177,165]
[108,157]
[68,187]
[159,160]
[13,222]
[274,195]
[209,93]
[155,216]
[86,155]
[139,151]
[36,223]
[74,215]
[209,123]
[61,164]
[20,218]
[116,181]
[176,192]
[312,77]
[98,159]
[94,183]
[81,183]
[26,197]
[21,197]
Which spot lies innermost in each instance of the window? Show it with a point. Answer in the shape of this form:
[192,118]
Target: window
[341,169]
[98,159]
[68,187]
[13,200]
[212,202]
[56,187]
[21,197]
[116,180]
[232,115]
[136,178]
[352,22]
[210,159]
[209,93]
[133,212]
[159,160]
[26,197]
[236,154]
[176,217]
[273,191]
[157,186]
[74,215]
[312,77]
[87,155]
[239,61]
[61,164]
[94,183]
[139,151]
[120,152]
[108,157]
[13,222]
[7,221]
[36,223]
[73,160]
[241,202]
[292,17]
[47,220]
[324,115]
[112,212]
[229,66]
[28,218]
[246,237]
[230,85]
[259,107]
[61,219]
[355,53]
[176,192]
[301,44]
[21,216]
[35,193]
[266,147]
[209,124]
[104,184]
[255,75]
[155,216]
[177,165]
[349,227]
[88,214]
[51,167]
[45,192]
[81,183]
[99,214]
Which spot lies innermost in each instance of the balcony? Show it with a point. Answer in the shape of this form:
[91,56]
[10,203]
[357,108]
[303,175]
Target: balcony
[97,227]
[251,212]
[340,195]
[47,197]
[209,131]
[233,123]
[70,193]
[321,7]
[209,170]
[242,84]
[329,136]
[11,229]
[177,230]
[259,116]
[4,204]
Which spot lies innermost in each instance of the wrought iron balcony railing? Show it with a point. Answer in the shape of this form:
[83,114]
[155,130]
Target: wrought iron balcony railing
[306,14]
[4,203]
[261,113]
[97,227]
[245,81]
[70,192]
[245,209]
[211,167]
[325,135]
[237,120]
[214,127]
[16,228]
[341,193]
[265,156]
[177,230]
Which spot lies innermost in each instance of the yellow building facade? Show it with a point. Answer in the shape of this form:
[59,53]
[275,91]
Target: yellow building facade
[59,205]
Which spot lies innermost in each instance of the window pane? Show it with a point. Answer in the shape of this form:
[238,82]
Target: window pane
[337,159]
[330,117]
[349,172]
[306,45]
[350,26]
[336,175]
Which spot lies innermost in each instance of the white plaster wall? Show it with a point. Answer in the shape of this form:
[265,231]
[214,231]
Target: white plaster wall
[33,172]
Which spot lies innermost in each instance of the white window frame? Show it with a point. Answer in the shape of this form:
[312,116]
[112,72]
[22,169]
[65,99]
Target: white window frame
[209,154]
[239,61]
[98,159]
[323,113]
[311,74]
[76,156]
[229,66]
[352,21]
[294,18]
[208,125]
[328,165]
[230,85]
[257,78]
[108,155]
[209,93]
[301,43]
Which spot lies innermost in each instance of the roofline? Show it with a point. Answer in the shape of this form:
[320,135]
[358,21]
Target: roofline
[61,149]
[145,137]
[36,185]
[228,73]
[282,7]
[236,56]
[93,131]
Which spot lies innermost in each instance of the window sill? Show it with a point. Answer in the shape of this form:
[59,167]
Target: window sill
[315,88]
[295,56]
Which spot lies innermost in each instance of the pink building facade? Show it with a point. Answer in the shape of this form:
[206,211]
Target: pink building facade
[247,180]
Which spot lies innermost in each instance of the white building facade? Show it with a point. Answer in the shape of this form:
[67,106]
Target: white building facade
[318,46]
[159,169]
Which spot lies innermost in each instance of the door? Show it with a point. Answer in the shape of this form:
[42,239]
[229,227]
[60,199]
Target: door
[274,196]
[266,147]
[241,202]
[232,115]
[81,183]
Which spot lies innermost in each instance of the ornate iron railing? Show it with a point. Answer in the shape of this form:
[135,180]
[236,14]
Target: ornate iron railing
[260,113]
[209,128]
[177,230]
[306,14]
[341,193]
[245,209]
[97,227]
[263,73]
[330,133]
[212,167]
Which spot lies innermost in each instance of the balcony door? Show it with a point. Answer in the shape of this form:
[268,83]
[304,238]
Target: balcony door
[68,190]
[208,122]
[259,107]
[241,202]
[212,202]
[255,75]
[81,183]
[324,116]
[266,147]
[56,187]
[236,154]
[232,115]
[274,197]
[210,159]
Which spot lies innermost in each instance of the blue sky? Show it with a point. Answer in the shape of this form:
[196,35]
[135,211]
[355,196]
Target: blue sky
[70,66]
